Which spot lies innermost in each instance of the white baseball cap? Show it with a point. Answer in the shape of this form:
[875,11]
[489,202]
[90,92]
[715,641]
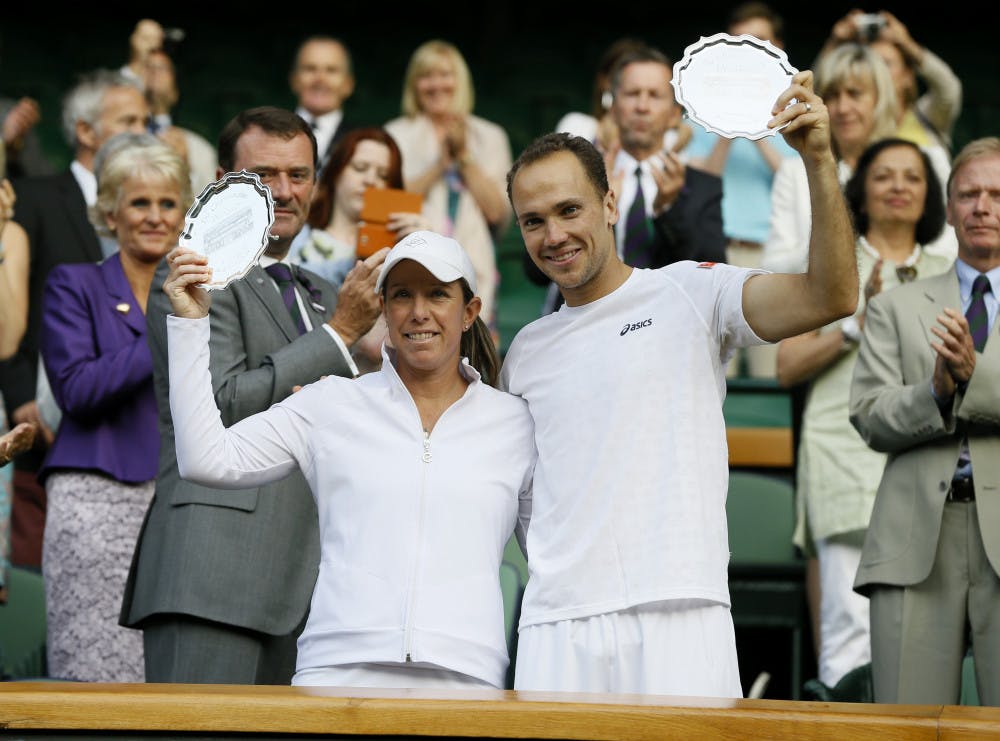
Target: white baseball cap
[442,256]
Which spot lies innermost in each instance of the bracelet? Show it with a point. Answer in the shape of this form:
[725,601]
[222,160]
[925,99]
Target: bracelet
[3,255]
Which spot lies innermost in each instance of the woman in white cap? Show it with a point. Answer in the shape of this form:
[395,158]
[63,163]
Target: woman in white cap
[420,473]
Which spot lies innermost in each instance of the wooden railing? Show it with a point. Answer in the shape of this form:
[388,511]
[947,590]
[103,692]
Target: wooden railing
[228,711]
[759,447]
[758,424]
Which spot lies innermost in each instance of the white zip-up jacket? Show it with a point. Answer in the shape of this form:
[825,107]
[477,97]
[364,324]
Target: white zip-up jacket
[412,527]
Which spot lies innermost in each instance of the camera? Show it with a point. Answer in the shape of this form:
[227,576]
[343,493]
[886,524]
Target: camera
[869,25]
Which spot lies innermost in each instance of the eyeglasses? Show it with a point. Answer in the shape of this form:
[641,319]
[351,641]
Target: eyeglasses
[906,273]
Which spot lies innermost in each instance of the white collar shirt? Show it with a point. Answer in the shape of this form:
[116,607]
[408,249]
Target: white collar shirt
[324,127]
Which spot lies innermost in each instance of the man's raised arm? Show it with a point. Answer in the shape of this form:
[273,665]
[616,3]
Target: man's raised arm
[779,305]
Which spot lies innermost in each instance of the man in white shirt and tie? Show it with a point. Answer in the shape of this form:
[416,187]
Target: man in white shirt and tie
[669,211]
[680,214]
[322,80]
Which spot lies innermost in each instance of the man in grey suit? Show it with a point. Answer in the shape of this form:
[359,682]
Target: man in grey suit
[927,391]
[221,580]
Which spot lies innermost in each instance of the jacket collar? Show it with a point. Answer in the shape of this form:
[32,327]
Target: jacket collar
[126,306]
[469,373]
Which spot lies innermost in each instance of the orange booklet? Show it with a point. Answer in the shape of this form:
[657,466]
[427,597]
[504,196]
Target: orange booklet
[378,204]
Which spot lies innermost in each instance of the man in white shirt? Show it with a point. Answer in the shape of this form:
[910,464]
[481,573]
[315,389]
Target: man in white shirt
[627,546]
[162,94]
[322,79]
[679,214]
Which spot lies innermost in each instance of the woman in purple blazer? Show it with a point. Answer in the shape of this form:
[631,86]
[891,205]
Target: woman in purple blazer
[100,472]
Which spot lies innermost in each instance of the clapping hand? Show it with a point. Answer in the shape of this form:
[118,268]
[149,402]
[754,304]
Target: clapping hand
[668,172]
[21,119]
[7,199]
[873,287]
[455,139]
[18,440]
[956,353]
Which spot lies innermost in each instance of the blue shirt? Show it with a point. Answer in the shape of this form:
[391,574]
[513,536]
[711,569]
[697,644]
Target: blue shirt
[746,183]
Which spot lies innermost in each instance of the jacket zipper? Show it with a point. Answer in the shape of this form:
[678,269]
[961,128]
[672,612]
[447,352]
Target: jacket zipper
[426,457]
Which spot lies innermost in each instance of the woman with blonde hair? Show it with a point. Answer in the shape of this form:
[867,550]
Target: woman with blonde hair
[457,160]
[100,471]
[927,118]
[858,90]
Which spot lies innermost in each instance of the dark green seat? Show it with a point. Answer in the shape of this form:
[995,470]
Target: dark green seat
[855,686]
[513,578]
[22,627]
[766,575]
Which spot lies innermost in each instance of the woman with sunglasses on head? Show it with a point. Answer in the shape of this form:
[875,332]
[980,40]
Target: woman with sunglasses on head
[895,200]
[857,89]
[420,473]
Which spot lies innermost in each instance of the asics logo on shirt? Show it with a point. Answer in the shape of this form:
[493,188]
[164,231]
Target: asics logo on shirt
[632,327]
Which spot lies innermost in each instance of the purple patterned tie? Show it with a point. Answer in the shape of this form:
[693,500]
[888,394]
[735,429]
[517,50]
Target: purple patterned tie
[976,316]
[638,229]
[282,275]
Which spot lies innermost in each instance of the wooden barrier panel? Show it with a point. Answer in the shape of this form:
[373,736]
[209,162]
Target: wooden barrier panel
[230,711]
[761,447]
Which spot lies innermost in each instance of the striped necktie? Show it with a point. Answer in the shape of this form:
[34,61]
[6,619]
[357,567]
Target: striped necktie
[976,316]
[638,229]
[282,275]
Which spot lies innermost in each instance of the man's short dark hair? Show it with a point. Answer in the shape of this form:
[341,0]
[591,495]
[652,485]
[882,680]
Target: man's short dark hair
[637,56]
[545,146]
[272,121]
[754,9]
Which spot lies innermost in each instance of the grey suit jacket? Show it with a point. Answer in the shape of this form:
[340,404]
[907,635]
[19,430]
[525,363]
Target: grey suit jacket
[893,409]
[247,558]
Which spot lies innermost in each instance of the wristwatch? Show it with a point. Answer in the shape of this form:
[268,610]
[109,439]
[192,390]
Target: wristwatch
[851,331]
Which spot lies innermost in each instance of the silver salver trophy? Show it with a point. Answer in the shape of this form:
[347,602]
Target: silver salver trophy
[229,223]
[729,84]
